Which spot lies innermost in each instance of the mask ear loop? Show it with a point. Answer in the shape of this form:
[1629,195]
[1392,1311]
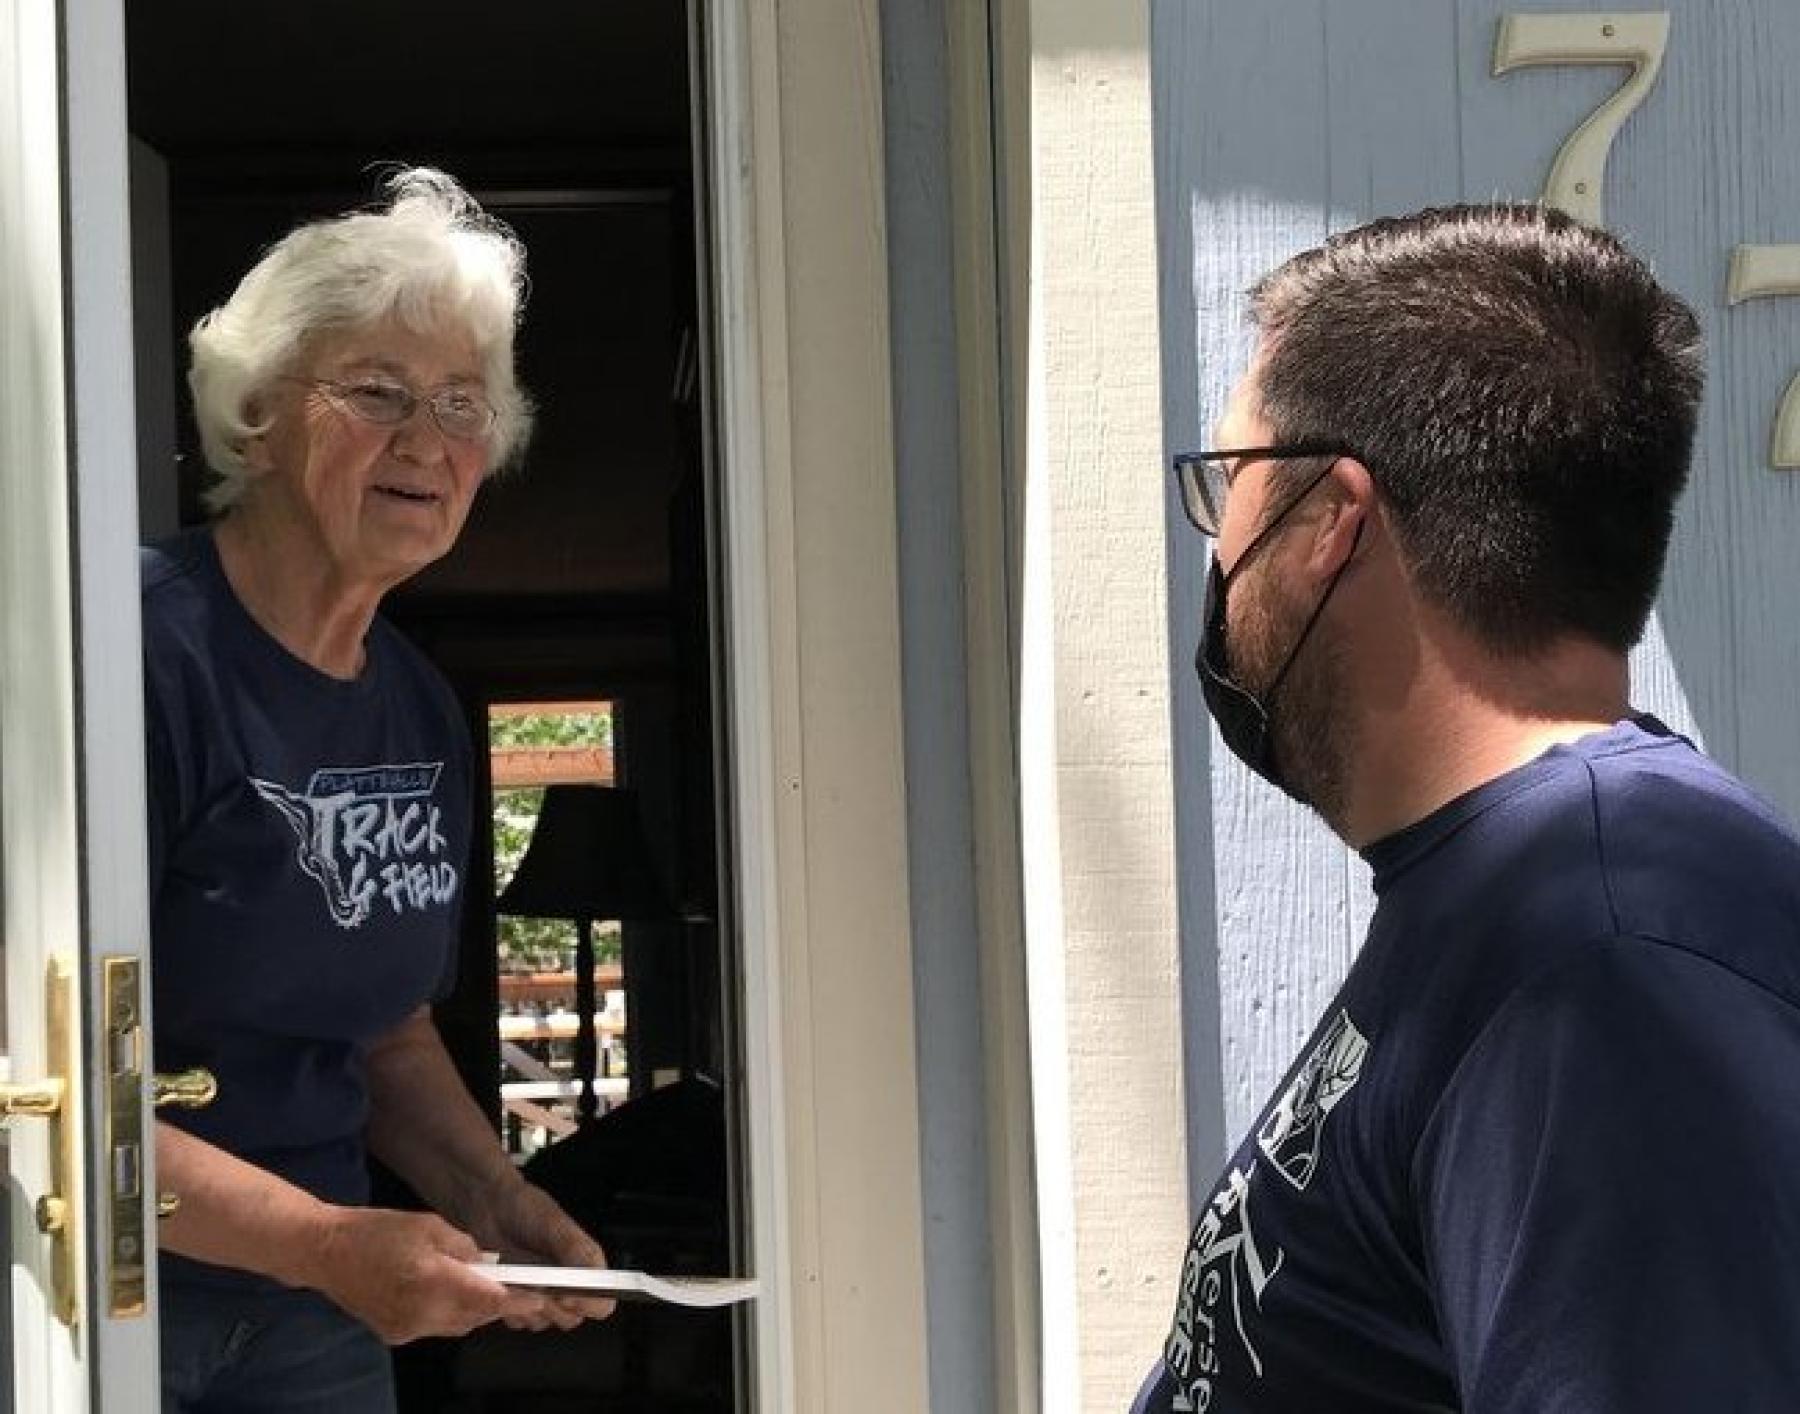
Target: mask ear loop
[1276,519]
[1324,599]
[1220,675]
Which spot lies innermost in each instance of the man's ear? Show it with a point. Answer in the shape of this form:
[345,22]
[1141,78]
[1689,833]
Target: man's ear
[1349,506]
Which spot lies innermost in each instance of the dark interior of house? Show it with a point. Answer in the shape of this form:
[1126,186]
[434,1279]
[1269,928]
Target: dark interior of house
[584,575]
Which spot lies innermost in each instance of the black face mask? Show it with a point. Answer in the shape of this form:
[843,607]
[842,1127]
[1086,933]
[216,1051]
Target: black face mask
[1244,719]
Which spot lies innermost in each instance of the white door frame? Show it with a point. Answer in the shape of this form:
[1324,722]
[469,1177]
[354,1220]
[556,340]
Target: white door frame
[39,876]
[796,185]
[76,882]
[109,683]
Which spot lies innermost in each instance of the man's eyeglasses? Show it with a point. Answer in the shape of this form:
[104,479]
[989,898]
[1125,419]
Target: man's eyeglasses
[460,412]
[1205,477]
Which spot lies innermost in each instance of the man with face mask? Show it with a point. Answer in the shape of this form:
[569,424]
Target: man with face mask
[1540,1153]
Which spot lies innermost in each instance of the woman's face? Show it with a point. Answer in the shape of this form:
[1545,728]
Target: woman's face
[380,501]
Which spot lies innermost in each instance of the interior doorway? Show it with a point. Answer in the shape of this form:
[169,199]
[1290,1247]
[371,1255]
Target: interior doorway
[586,576]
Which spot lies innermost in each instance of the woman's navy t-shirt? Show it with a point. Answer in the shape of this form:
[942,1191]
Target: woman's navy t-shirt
[308,843]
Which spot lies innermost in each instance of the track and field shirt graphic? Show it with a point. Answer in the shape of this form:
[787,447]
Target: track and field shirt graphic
[1538,1156]
[368,835]
[308,850]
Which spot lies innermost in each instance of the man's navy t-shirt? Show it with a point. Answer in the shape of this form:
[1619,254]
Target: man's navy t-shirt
[1543,1151]
[308,842]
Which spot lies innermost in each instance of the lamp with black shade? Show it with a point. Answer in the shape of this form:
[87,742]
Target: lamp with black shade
[588,860]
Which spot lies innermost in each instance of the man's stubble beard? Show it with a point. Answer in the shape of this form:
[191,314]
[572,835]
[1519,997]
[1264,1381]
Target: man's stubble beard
[1309,720]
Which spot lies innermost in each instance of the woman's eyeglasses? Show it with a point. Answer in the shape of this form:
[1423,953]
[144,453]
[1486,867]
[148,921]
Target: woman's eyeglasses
[460,412]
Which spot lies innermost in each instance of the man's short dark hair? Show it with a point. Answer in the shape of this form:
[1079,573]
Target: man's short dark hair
[1524,394]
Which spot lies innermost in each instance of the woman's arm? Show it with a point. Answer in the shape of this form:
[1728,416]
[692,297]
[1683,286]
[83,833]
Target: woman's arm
[404,1275]
[424,1125]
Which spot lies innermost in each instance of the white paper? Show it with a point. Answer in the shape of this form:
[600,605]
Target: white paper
[614,1281]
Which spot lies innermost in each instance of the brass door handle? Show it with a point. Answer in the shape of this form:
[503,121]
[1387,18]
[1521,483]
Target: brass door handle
[185,1089]
[188,1090]
[40,1100]
[49,1099]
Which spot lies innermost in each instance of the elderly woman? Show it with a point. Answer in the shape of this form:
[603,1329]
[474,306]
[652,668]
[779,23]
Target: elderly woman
[310,784]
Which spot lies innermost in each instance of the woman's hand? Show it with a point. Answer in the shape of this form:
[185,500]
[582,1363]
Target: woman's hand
[405,1275]
[426,1128]
[525,1224]
[408,1275]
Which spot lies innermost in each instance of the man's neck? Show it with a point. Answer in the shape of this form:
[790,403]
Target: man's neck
[1469,718]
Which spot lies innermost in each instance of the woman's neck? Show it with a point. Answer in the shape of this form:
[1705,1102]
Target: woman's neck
[294,593]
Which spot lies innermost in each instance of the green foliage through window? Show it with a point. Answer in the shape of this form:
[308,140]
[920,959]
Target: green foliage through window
[539,944]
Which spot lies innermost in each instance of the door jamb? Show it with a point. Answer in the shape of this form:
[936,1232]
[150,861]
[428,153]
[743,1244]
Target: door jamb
[804,415]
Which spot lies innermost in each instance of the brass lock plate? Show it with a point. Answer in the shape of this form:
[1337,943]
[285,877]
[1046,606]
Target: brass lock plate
[124,1179]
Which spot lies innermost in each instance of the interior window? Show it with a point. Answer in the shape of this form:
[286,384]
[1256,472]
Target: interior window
[531,746]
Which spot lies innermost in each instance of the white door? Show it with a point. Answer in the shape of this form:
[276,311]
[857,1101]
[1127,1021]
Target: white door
[81,1210]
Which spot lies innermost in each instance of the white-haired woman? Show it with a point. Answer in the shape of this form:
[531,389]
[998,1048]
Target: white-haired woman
[310,788]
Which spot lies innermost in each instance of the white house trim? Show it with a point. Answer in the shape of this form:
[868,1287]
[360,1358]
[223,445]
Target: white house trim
[1096,756]
[805,421]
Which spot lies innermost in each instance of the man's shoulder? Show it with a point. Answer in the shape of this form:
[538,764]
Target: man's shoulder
[1648,809]
[1696,859]
[1638,835]
[1670,794]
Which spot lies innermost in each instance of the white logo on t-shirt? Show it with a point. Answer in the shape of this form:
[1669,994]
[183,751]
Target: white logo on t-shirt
[1289,1137]
[1226,1270]
[367,835]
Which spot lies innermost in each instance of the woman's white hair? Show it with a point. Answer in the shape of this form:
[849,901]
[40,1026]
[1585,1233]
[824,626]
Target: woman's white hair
[433,259]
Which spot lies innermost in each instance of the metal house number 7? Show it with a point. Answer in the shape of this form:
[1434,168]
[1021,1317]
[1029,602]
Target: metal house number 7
[1756,271]
[1578,174]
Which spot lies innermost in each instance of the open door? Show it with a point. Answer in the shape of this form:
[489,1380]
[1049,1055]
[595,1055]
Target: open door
[81,1203]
